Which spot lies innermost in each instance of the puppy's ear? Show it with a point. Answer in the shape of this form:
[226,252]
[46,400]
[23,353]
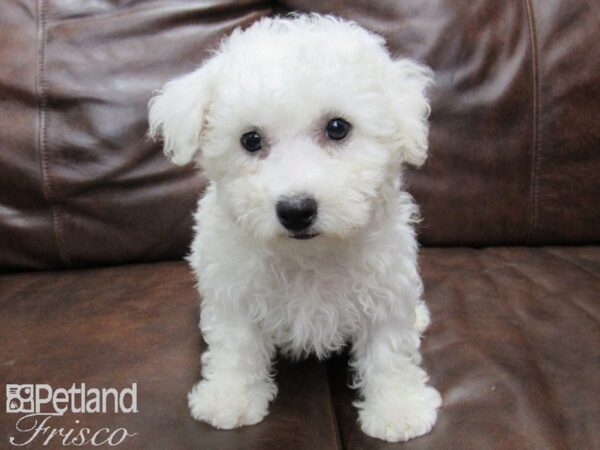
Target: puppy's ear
[410,81]
[177,113]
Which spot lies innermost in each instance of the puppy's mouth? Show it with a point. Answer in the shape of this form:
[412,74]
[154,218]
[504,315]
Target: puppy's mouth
[302,235]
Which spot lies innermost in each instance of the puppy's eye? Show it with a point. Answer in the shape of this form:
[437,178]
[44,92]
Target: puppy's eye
[337,129]
[251,141]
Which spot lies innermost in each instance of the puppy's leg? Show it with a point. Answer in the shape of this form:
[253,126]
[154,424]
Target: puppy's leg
[236,387]
[396,403]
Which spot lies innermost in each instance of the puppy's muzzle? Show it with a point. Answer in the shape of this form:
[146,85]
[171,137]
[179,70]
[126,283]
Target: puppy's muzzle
[297,214]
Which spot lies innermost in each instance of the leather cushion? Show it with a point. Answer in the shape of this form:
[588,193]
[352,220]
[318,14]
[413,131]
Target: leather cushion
[513,348]
[513,160]
[80,183]
[116,326]
[513,143]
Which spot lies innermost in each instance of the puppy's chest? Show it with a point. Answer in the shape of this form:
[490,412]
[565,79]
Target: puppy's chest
[311,309]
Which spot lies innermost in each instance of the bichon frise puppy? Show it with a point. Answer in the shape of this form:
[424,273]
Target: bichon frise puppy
[304,239]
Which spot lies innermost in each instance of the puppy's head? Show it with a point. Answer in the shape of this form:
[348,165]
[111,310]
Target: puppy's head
[300,123]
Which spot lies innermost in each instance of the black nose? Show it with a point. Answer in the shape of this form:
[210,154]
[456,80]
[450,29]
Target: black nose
[296,213]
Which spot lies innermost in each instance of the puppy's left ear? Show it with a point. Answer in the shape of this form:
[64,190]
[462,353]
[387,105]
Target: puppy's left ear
[177,113]
[410,107]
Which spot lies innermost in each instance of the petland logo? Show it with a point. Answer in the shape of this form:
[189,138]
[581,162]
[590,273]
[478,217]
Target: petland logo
[40,403]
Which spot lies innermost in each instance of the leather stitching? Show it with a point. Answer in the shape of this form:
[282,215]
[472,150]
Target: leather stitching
[533,184]
[42,135]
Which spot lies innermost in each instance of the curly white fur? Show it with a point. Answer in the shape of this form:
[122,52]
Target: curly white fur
[358,280]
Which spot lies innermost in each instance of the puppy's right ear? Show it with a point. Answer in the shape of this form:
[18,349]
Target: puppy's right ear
[177,113]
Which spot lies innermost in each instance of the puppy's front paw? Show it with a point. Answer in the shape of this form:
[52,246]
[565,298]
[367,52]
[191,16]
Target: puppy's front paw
[230,404]
[400,417]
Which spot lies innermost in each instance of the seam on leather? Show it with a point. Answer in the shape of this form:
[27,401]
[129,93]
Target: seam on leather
[533,185]
[42,141]
[333,413]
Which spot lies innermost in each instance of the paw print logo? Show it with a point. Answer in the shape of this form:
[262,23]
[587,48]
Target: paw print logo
[19,398]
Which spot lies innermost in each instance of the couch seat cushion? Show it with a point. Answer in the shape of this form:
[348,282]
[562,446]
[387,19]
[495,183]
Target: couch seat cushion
[513,347]
[111,327]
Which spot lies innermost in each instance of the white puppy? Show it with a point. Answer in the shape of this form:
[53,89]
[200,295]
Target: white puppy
[304,239]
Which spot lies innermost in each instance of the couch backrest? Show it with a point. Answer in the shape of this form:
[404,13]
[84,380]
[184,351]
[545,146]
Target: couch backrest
[515,145]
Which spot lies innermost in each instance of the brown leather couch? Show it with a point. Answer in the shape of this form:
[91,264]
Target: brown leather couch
[94,221]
